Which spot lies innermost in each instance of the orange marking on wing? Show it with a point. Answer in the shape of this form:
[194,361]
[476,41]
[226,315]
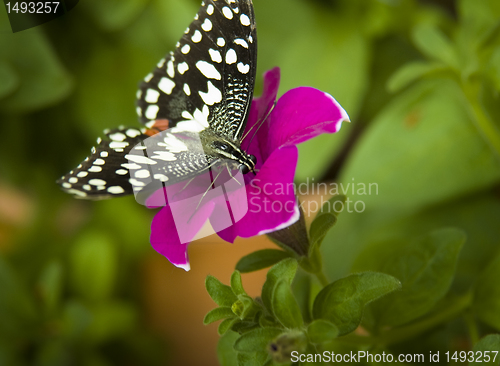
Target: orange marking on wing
[158,126]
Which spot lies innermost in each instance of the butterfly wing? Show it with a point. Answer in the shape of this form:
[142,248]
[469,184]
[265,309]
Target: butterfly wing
[206,83]
[105,173]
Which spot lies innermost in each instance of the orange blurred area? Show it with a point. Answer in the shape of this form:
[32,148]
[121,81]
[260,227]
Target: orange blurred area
[176,301]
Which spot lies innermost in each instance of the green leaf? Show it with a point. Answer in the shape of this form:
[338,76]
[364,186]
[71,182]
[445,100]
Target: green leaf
[428,125]
[325,220]
[218,314]
[285,306]
[236,284]
[76,318]
[17,308]
[40,77]
[322,331]
[261,259]
[284,270]
[226,354]
[410,72]
[486,303]
[251,359]
[220,293]
[110,321]
[226,324]
[8,79]
[50,285]
[342,301]
[256,340]
[94,266]
[425,267]
[434,44]
[113,15]
[487,348]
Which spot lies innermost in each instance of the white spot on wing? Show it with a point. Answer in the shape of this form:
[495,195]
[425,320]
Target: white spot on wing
[182,67]
[196,36]
[152,96]
[241,42]
[148,78]
[82,174]
[121,171]
[187,90]
[244,69]
[118,145]
[244,20]
[95,169]
[97,182]
[212,96]
[117,136]
[139,159]
[228,13]
[152,112]
[116,190]
[215,55]
[143,173]
[210,9]
[208,70]
[231,57]
[221,42]
[162,177]
[99,162]
[207,25]
[164,155]
[133,133]
[166,85]
[170,68]
[73,180]
[104,154]
[185,49]
[131,166]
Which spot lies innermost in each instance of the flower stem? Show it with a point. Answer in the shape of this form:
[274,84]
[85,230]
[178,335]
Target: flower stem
[484,124]
[322,278]
[472,327]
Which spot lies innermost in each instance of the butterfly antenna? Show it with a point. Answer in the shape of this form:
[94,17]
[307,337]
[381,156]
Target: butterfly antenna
[204,194]
[259,125]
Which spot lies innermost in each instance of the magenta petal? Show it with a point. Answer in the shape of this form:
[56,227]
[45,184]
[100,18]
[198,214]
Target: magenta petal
[271,198]
[260,108]
[170,236]
[301,114]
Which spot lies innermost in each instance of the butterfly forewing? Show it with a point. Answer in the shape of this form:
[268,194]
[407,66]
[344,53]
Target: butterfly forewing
[207,82]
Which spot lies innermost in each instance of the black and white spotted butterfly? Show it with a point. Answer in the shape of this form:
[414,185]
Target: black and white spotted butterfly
[203,88]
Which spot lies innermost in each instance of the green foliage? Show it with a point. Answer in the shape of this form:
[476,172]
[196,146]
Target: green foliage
[260,259]
[487,295]
[420,81]
[425,268]
[487,348]
[342,302]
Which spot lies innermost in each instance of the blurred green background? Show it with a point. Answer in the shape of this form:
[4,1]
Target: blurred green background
[419,79]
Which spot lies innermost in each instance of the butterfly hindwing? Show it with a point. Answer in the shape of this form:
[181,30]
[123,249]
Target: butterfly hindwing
[208,80]
[106,172]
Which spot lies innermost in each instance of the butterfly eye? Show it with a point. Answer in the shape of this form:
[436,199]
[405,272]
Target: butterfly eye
[243,169]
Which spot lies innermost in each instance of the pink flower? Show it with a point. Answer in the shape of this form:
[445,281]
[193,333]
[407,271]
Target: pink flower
[299,115]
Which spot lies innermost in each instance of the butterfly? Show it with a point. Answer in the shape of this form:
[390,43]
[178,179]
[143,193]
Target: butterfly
[193,107]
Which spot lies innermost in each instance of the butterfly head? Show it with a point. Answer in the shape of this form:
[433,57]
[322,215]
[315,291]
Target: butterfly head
[230,150]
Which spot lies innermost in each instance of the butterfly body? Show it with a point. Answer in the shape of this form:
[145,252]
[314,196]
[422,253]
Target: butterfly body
[194,107]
